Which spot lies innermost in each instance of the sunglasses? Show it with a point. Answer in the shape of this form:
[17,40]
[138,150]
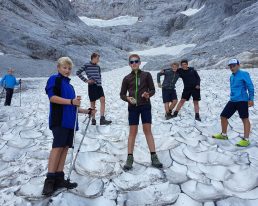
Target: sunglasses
[134,61]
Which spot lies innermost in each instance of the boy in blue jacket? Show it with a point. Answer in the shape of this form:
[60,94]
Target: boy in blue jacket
[9,82]
[241,97]
[63,123]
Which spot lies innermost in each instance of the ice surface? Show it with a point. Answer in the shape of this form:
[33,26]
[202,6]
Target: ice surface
[198,169]
[191,12]
[165,50]
[118,21]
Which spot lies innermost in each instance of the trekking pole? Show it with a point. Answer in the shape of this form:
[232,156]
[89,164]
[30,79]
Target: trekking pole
[20,92]
[72,165]
[74,133]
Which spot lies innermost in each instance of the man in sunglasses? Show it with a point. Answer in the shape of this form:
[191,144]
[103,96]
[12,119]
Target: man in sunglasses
[137,88]
[241,97]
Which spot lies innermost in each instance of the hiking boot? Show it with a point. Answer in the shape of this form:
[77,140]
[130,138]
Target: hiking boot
[62,183]
[93,122]
[49,187]
[197,117]
[168,116]
[155,161]
[175,114]
[103,121]
[129,163]
[220,137]
[243,143]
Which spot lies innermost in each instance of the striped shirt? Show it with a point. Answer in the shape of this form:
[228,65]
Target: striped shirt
[92,71]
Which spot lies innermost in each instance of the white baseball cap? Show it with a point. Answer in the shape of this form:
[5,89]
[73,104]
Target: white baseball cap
[233,61]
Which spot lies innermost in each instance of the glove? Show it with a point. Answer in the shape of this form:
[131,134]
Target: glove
[19,81]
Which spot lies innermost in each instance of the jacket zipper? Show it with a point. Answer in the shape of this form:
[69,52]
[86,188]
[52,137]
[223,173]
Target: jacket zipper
[136,88]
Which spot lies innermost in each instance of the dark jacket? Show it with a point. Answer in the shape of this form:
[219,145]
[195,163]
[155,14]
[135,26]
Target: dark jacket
[170,79]
[61,115]
[136,84]
[190,77]
[92,71]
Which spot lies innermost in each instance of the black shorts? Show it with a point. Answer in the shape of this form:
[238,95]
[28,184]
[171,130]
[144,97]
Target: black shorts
[232,107]
[63,137]
[191,92]
[135,112]
[168,95]
[95,92]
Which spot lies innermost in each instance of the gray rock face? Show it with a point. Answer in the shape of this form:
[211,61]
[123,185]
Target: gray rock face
[36,33]
[222,29]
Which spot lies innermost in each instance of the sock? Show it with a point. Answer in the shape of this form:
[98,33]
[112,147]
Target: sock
[59,174]
[102,117]
[153,153]
[170,111]
[197,115]
[224,134]
[51,175]
[130,154]
[246,138]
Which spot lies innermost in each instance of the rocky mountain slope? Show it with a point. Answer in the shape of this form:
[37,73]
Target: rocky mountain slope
[34,34]
[220,29]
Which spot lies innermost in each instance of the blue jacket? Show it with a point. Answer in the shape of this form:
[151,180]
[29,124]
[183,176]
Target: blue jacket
[61,115]
[9,81]
[240,83]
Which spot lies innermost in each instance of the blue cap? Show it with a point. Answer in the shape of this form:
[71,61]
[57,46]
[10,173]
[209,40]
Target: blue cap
[233,61]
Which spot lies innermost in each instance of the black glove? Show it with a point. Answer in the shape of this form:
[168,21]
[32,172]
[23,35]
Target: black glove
[90,111]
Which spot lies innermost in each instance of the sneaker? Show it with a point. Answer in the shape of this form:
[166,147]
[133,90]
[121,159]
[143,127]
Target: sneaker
[243,143]
[103,121]
[155,161]
[93,122]
[220,137]
[49,187]
[175,114]
[62,183]
[129,163]
[168,116]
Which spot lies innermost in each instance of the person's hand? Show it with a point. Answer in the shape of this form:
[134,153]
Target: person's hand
[197,87]
[90,81]
[250,104]
[146,95]
[77,101]
[131,100]
[91,111]
[162,71]
[159,85]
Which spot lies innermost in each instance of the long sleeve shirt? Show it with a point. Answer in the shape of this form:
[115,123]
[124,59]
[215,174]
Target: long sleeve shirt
[170,79]
[136,84]
[9,81]
[241,87]
[92,71]
[190,77]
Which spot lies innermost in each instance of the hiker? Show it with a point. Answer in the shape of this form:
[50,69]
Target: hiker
[140,88]
[95,90]
[63,123]
[168,88]
[191,81]
[9,82]
[241,97]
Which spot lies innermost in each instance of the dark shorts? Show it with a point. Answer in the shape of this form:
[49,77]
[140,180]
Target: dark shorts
[135,112]
[63,137]
[232,107]
[168,95]
[95,92]
[191,92]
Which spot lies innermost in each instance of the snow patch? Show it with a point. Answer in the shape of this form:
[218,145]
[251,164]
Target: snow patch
[191,12]
[1,53]
[118,21]
[164,50]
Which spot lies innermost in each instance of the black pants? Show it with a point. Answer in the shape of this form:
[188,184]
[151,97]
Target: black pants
[9,96]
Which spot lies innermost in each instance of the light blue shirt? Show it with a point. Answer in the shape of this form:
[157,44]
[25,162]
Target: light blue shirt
[9,81]
[241,86]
